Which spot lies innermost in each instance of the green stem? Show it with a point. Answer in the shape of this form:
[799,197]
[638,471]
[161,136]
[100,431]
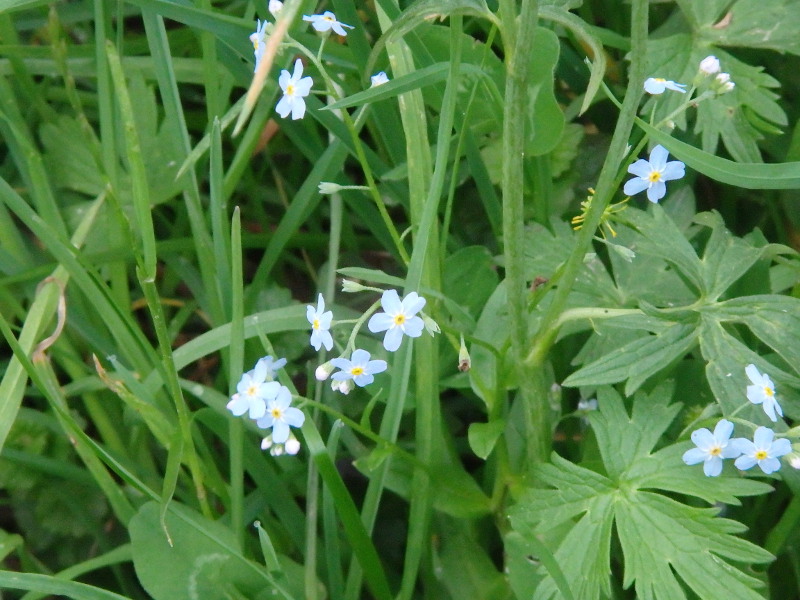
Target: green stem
[548,329]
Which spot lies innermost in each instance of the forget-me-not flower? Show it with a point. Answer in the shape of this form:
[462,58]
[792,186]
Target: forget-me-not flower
[762,451]
[651,174]
[259,39]
[398,318]
[657,85]
[295,87]
[320,324]
[379,79]
[359,368]
[280,415]
[709,65]
[712,448]
[254,391]
[762,392]
[327,21]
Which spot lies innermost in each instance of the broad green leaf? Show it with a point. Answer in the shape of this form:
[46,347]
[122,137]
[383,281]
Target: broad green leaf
[768,24]
[752,176]
[703,13]
[204,560]
[483,436]
[576,510]
[545,117]
[637,361]
[470,277]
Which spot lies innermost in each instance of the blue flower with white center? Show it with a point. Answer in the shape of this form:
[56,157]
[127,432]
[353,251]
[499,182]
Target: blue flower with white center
[651,175]
[359,368]
[762,392]
[763,451]
[712,448]
[320,325]
[398,319]
[657,85]
[280,415]
[254,391]
[325,22]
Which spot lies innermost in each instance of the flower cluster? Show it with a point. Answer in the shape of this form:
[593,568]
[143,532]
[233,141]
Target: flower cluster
[721,82]
[398,319]
[764,450]
[268,403]
[294,86]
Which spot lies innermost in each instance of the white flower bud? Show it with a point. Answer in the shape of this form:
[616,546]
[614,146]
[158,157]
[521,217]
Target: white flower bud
[723,83]
[709,65]
[327,187]
[431,326]
[267,443]
[349,286]
[343,386]
[275,6]
[292,445]
[323,371]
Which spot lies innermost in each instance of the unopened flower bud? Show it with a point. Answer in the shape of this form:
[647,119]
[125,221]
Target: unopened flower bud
[464,360]
[328,187]
[343,386]
[292,445]
[709,65]
[275,6]
[431,326]
[723,83]
[323,371]
[349,286]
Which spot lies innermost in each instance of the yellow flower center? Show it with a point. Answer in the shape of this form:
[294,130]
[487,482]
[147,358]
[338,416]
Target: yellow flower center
[328,19]
[654,176]
[315,324]
[659,79]
[251,391]
[399,319]
[715,451]
[276,413]
[769,391]
[761,454]
[290,90]
[356,371]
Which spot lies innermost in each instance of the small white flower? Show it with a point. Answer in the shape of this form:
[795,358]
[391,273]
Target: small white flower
[271,365]
[379,79]
[280,416]
[709,65]
[762,451]
[712,448]
[587,405]
[657,85]
[359,368]
[320,324]
[345,386]
[253,392]
[398,318]
[325,22]
[295,87]
[275,6]
[259,40]
[651,175]
[762,392]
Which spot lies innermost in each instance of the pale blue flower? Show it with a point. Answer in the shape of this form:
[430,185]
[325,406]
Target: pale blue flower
[712,448]
[295,87]
[320,325]
[271,365]
[379,79]
[656,85]
[762,451]
[254,391]
[398,318]
[325,22]
[280,416]
[359,368]
[762,392]
[651,175]
[259,39]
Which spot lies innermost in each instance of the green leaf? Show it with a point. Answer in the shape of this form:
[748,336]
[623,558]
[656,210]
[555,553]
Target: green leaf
[470,277]
[545,118]
[751,176]
[636,361]
[203,561]
[483,436]
[768,24]
[576,510]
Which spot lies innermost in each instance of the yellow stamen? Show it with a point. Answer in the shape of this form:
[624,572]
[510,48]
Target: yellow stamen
[654,176]
[761,454]
[399,319]
[715,451]
[356,371]
[769,391]
[315,324]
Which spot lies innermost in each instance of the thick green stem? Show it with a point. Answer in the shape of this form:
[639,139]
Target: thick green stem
[605,187]
[517,100]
